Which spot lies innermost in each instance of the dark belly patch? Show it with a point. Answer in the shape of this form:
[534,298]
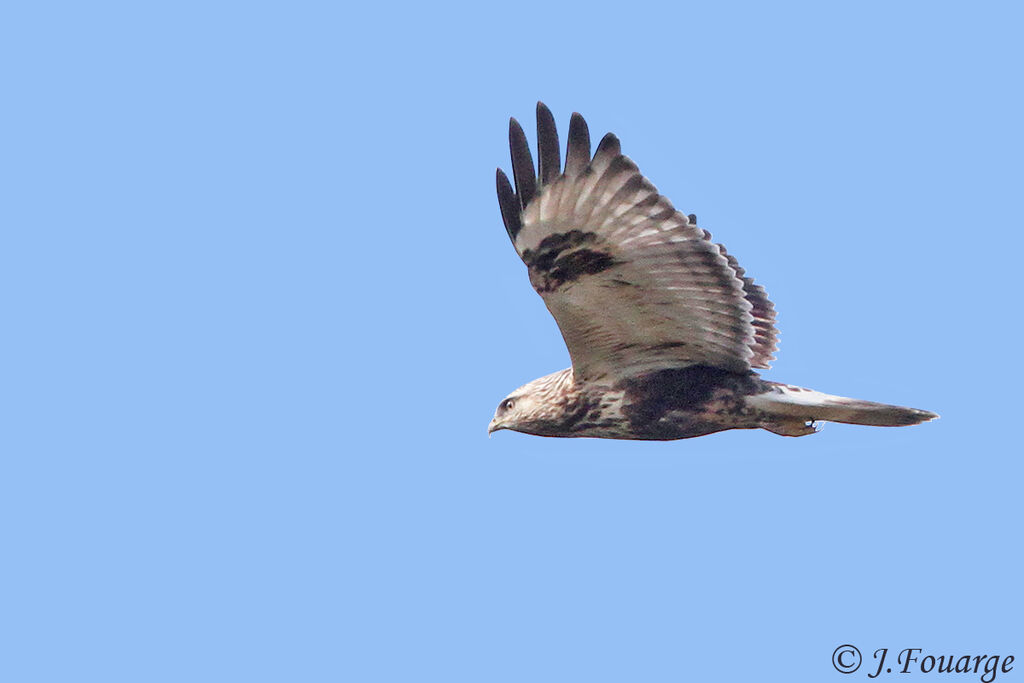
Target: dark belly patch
[684,392]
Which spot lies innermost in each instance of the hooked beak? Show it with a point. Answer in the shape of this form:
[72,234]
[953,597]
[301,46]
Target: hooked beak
[493,427]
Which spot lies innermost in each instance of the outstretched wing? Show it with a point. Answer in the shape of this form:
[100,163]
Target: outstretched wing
[634,285]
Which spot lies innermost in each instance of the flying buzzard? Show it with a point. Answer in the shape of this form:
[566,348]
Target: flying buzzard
[663,326]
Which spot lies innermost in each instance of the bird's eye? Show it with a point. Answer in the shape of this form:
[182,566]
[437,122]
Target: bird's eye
[508,404]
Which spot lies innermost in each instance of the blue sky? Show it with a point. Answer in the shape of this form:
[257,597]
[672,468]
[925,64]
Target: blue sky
[260,308]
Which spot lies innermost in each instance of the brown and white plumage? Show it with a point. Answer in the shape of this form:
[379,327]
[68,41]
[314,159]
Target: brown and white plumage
[662,325]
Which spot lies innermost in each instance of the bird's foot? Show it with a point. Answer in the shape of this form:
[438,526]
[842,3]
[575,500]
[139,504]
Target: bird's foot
[794,427]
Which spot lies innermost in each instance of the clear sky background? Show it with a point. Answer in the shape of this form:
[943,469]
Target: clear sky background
[259,307]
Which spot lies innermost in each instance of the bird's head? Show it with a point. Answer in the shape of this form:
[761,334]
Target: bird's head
[533,408]
[514,410]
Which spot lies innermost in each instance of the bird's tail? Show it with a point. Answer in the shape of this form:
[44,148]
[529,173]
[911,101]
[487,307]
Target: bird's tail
[790,410]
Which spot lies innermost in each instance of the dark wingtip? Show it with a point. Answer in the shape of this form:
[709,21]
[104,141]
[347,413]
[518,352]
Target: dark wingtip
[509,205]
[522,163]
[609,145]
[577,153]
[549,156]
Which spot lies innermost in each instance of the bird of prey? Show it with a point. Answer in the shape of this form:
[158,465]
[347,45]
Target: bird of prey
[663,326]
